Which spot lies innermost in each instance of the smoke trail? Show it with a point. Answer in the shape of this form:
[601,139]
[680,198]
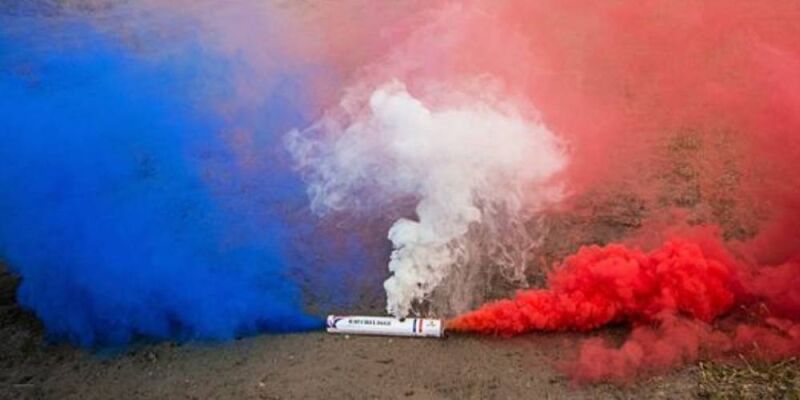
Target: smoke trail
[128,204]
[671,296]
[598,286]
[476,168]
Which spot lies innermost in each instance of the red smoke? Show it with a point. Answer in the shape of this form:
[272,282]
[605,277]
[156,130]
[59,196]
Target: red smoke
[672,296]
[600,285]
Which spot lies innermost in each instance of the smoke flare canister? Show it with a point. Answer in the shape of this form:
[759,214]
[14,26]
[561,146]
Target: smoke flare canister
[388,326]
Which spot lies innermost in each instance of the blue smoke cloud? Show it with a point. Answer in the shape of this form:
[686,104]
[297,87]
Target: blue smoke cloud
[122,203]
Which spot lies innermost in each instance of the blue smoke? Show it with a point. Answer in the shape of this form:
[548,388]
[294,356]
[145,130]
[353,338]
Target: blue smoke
[122,205]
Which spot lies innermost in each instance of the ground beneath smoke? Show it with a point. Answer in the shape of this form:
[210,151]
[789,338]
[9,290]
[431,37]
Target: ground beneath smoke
[310,366]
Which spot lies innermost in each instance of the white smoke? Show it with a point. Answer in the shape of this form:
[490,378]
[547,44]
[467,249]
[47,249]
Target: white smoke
[476,164]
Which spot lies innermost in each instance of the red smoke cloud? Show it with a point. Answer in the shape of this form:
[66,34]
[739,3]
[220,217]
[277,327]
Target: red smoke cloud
[672,296]
[600,285]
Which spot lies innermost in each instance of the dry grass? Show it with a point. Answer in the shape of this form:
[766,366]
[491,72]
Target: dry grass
[749,380]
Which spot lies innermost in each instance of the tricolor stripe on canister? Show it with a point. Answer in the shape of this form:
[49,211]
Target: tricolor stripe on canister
[364,325]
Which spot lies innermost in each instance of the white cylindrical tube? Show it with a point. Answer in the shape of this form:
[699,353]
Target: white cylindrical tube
[388,326]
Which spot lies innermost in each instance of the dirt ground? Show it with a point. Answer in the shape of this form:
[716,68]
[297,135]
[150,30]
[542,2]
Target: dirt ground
[311,365]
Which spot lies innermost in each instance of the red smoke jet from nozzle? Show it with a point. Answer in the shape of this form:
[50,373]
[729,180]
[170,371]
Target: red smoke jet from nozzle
[600,285]
[670,295]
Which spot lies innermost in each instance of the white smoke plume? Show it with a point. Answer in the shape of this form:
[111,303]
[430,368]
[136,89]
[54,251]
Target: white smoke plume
[476,167]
